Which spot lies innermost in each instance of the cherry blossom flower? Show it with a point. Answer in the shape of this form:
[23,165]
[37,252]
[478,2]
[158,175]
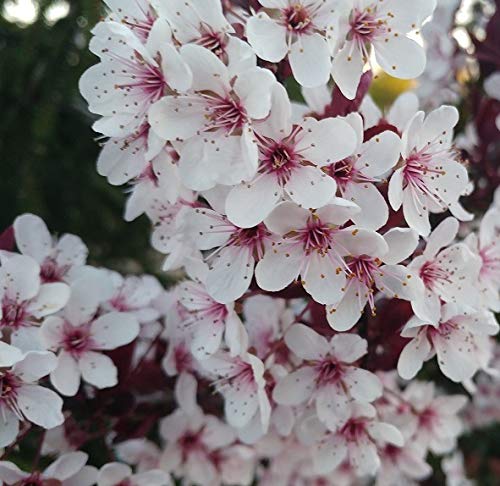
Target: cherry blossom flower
[302,30]
[235,250]
[384,26]
[452,339]
[486,244]
[67,470]
[135,295]
[313,246]
[240,380]
[131,77]
[357,173]
[21,398]
[449,273]
[290,163]
[328,376]
[24,300]
[430,178]
[214,120]
[59,260]
[359,440]
[373,266]
[142,453]
[202,22]
[79,335]
[117,474]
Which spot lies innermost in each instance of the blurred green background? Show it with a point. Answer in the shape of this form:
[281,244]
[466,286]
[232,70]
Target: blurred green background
[47,148]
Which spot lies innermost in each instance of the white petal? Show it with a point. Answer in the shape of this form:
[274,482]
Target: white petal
[329,453]
[112,473]
[32,236]
[402,243]
[306,343]
[66,466]
[348,348]
[87,476]
[296,387]
[279,267]
[344,314]
[380,154]
[326,141]
[9,428]
[397,281]
[412,357]
[310,187]
[403,109]
[230,274]
[396,189]
[332,406]
[278,124]
[323,279]
[382,431]
[114,329]
[438,125]
[347,68]
[11,474]
[40,406]
[250,203]
[443,235]
[358,241]
[207,338]
[178,74]
[415,215]
[20,277]
[408,15]
[66,377]
[400,56]
[453,357]
[254,88]
[9,354]
[374,211]
[363,385]
[98,370]
[51,298]
[287,217]
[310,60]
[35,365]
[267,38]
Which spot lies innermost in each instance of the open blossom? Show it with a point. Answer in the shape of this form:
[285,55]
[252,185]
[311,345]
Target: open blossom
[328,375]
[79,335]
[449,273]
[452,340]
[240,379]
[212,122]
[303,30]
[21,398]
[313,246]
[24,300]
[291,163]
[67,470]
[233,255]
[374,266]
[131,76]
[60,259]
[430,179]
[357,174]
[383,25]
[358,440]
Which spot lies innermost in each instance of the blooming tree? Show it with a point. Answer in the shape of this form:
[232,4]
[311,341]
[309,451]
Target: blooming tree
[323,255]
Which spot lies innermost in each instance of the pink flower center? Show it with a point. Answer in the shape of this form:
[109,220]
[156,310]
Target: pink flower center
[252,238]
[226,114]
[316,236]
[77,339]
[279,159]
[215,42]
[354,429]
[36,480]
[51,271]
[14,314]
[296,19]
[140,27]
[366,27]
[182,358]
[9,384]
[433,274]
[428,418]
[490,257]
[240,377]
[328,372]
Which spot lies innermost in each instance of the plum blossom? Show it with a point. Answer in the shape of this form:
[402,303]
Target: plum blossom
[130,78]
[291,163]
[304,31]
[235,250]
[240,379]
[359,440]
[21,398]
[383,25]
[24,300]
[80,334]
[430,178]
[373,266]
[328,375]
[449,272]
[117,474]
[313,246]
[67,470]
[60,260]
[212,122]
[453,340]
[357,174]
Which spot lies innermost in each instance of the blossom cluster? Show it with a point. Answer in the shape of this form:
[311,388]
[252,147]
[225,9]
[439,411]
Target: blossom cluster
[325,256]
